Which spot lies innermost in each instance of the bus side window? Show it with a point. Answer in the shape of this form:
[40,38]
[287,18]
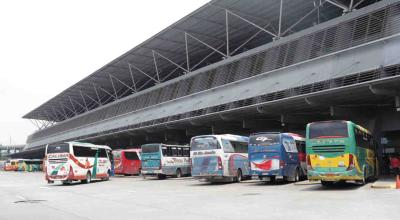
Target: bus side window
[164,151]
[102,153]
[239,147]
[180,153]
[301,146]
[174,152]
[84,151]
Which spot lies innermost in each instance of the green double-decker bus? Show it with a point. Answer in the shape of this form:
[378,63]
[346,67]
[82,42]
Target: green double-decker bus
[340,151]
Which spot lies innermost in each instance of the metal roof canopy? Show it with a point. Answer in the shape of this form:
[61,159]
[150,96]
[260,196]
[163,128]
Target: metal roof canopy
[216,31]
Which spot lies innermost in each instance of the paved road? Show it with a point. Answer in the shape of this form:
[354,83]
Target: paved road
[186,198]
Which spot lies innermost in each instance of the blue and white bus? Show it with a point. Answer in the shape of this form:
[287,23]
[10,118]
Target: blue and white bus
[220,157]
[275,155]
[164,160]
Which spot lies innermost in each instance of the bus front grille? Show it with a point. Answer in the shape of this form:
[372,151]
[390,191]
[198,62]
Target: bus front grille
[329,149]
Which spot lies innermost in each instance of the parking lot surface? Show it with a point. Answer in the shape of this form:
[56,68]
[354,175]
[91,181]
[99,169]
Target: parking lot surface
[28,196]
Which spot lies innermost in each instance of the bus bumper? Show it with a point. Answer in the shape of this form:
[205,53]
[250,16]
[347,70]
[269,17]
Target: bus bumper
[350,175]
[151,172]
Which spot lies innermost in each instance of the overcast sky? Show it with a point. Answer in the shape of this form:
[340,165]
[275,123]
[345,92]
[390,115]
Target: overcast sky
[46,46]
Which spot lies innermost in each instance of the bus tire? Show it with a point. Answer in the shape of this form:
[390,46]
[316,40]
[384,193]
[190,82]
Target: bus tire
[88,178]
[107,178]
[326,183]
[239,176]
[161,176]
[296,175]
[178,173]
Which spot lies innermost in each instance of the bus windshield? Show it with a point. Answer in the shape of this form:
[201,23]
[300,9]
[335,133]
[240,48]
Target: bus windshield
[150,148]
[58,148]
[204,143]
[334,129]
[264,139]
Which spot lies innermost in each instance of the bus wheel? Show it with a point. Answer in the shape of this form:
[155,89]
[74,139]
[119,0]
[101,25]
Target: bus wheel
[161,176]
[364,179]
[297,175]
[178,173]
[108,176]
[326,183]
[239,176]
[88,178]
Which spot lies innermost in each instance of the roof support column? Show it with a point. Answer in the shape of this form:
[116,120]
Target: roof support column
[187,53]
[112,84]
[97,94]
[227,32]
[84,101]
[177,65]
[132,78]
[155,65]
[317,7]
[141,71]
[252,23]
[280,19]
[205,44]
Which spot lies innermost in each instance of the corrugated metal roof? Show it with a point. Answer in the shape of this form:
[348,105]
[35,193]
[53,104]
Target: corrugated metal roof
[208,25]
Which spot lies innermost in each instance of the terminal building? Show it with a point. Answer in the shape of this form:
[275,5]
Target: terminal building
[240,66]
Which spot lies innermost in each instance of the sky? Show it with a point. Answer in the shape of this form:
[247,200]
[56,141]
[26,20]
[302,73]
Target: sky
[47,46]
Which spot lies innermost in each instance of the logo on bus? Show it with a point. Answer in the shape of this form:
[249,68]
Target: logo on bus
[262,138]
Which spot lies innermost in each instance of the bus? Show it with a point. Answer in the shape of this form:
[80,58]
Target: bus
[220,158]
[164,160]
[30,165]
[127,161]
[11,165]
[74,161]
[340,151]
[274,156]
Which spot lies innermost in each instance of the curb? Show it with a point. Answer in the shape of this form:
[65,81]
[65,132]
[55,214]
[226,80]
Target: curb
[391,186]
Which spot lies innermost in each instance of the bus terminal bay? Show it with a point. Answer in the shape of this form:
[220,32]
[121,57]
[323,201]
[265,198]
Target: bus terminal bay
[242,109]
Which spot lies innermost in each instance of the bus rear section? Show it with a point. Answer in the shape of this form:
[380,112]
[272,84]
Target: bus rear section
[164,160]
[127,162]
[73,161]
[219,158]
[332,152]
[275,156]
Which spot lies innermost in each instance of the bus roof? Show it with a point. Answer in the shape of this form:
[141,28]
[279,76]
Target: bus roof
[129,150]
[167,145]
[294,135]
[349,122]
[88,145]
[230,137]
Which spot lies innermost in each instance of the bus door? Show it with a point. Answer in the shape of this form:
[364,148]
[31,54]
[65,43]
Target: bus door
[289,156]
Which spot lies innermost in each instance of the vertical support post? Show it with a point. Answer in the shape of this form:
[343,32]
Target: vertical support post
[112,84]
[187,53]
[133,79]
[351,5]
[84,101]
[97,94]
[397,103]
[227,32]
[280,19]
[155,64]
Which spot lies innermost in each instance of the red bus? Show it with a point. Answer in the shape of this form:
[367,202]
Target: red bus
[127,161]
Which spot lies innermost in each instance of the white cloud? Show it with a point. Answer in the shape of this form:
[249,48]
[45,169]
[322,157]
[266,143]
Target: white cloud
[46,46]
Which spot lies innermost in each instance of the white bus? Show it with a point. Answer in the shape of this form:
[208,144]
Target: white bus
[73,161]
[220,157]
[163,160]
